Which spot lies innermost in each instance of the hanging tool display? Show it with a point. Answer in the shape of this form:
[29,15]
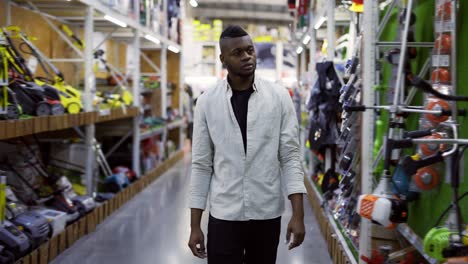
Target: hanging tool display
[382,206]
[447,241]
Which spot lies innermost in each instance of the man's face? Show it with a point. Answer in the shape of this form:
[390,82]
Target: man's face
[238,55]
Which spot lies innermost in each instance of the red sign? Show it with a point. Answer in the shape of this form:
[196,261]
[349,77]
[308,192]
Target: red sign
[302,8]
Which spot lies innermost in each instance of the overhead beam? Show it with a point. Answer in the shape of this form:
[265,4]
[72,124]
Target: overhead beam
[242,14]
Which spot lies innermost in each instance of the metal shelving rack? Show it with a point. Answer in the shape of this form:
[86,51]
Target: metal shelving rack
[89,13]
[370,51]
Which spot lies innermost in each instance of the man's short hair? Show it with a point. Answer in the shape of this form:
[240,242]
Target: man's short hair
[233,31]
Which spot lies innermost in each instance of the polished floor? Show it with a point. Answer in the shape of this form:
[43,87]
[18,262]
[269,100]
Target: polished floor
[153,228]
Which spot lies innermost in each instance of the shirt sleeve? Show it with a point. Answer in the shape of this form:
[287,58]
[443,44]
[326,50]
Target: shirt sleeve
[202,159]
[289,150]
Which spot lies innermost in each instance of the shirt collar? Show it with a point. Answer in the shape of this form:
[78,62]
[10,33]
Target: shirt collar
[254,85]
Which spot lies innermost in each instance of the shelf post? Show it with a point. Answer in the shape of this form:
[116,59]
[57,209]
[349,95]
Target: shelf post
[88,96]
[136,103]
[331,30]
[329,155]
[8,12]
[136,93]
[367,124]
[312,44]
[164,79]
[181,96]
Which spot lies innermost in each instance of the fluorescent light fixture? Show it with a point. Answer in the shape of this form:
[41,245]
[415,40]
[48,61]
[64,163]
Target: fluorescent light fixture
[115,21]
[306,40]
[173,49]
[320,22]
[299,49]
[152,39]
[193,3]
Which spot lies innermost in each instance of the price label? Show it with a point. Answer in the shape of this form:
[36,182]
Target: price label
[32,64]
[440,60]
[104,112]
[444,26]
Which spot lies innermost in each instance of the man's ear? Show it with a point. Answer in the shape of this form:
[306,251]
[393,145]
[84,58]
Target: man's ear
[221,58]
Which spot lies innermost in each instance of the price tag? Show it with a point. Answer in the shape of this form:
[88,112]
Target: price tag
[440,60]
[32,64]
[104,112]
[444,26]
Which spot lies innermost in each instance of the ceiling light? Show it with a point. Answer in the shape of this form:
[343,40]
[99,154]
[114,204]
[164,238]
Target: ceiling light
[306,40]
[152,39]
[115,21]
[320,22]
[173,49]
[299,49]
[193,3]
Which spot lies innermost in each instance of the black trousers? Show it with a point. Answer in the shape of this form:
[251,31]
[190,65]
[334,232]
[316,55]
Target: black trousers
[243,242]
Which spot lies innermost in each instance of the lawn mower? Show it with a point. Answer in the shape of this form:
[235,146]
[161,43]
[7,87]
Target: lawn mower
[14,243]
[83,203]
[31,182]
[69,97]
[9,107]
[120,95]
[33,93]
[14,240]
[33,224]
[58,219]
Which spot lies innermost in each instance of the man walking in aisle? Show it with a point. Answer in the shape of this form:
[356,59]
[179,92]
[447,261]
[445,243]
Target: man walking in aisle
[245,144]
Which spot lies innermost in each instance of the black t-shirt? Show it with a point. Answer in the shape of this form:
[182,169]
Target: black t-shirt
[240,106]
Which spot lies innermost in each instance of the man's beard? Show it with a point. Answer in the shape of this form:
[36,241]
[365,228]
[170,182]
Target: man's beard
[242,74]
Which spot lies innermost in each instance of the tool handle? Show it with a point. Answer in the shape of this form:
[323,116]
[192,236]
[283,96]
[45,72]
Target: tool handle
[460,112]
[401,143]
[427,88]
[417,133]
[435,158]
[356,108]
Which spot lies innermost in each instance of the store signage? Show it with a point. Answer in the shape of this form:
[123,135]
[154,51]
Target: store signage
[302,8]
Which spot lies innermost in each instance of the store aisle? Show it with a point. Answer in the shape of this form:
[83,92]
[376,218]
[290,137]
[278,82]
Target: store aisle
[153,228]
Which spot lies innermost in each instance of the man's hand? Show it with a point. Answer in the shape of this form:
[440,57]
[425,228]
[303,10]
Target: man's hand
[296,224]
[297,229]
[197,243]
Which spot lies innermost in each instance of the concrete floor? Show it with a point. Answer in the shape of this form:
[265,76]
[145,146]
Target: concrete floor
[153,228]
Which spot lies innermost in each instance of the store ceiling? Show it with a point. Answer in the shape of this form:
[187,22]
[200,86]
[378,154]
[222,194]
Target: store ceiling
[265,12]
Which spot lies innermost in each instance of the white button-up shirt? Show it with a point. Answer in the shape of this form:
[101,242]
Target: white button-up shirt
[245,185]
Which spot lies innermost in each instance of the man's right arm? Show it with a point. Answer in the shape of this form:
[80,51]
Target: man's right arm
[202,170]
[202,159]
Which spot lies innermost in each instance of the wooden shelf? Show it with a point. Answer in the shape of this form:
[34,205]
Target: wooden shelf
[24,127]
[337,246]
[48,251]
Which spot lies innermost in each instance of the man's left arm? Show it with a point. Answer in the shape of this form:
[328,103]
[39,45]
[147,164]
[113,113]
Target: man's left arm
[291,166]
